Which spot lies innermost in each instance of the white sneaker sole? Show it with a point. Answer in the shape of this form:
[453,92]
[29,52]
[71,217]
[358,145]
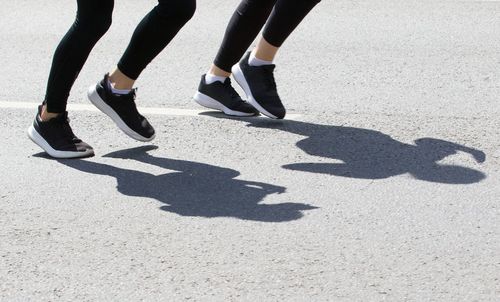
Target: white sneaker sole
[208,102]
[96,99]
[240,79]
[40,141]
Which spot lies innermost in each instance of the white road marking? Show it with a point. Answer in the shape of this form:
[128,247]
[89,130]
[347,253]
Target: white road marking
[142,110]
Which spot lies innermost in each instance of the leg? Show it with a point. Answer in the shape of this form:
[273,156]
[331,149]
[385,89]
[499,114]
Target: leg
[50,129]
[92,21]
[114,94]
[255,72]
[286,16]
[151,36]
[244,26]
[215,90]
[246,23]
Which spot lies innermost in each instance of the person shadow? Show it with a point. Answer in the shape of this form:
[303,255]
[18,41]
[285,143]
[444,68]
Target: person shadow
[194,189]
[370,154]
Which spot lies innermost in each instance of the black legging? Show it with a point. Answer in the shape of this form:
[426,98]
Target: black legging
[93,19]
[248,20]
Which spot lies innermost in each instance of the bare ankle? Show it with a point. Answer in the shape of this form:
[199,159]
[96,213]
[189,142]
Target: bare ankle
[120,81]
[265,51]
[218,71]
[45,115]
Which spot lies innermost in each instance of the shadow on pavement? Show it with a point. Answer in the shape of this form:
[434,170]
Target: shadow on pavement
[370,154]
[194,189]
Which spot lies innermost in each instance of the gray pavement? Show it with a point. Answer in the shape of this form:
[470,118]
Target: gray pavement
[384,187]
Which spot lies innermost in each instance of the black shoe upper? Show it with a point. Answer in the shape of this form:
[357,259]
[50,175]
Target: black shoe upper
[124,105]
[262,84]
[225,94]
[58,133]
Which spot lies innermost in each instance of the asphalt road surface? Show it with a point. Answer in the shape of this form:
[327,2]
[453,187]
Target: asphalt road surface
[382,185]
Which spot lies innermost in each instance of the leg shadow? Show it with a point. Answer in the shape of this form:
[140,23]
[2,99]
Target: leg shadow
[194,189]
[370,154]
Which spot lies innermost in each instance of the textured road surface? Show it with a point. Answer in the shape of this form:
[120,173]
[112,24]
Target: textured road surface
[385,187]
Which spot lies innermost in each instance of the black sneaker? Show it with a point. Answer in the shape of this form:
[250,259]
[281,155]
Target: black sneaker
[122,110]
[223,97]
[260,87]
[56,137]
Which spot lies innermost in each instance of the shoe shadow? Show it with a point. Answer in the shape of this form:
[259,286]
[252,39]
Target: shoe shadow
[370,154]
[194,189]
